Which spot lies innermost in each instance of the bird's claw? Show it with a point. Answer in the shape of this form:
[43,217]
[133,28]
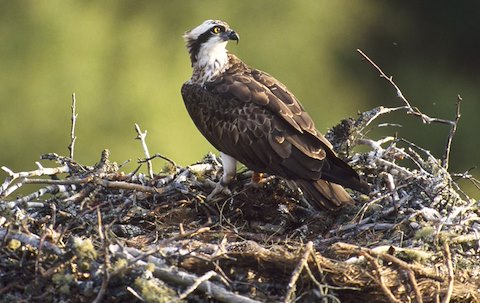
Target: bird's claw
[219,189]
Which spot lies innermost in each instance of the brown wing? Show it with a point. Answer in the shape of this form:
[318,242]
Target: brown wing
[252,117]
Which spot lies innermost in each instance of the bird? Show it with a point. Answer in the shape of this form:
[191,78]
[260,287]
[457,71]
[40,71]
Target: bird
[251,117]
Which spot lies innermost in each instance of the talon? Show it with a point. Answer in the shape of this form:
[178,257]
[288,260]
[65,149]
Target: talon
[219,189]
[229,170]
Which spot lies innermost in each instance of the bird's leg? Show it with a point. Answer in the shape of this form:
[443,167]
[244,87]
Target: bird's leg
[229,171]
[258,180]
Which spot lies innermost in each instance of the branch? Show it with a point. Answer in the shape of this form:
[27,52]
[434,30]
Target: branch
[172,275]
[197,283]
[296,273]
[142,136]
[410,109]
[5,190]
[32,240]
[453,130]
[380,280]
[451,276]
[71,147]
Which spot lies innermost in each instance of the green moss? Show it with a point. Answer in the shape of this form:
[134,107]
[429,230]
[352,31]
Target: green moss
[62,281]
[155,291]
[120,267]
[84,248]
[415,255]
[425,233]
[14,244]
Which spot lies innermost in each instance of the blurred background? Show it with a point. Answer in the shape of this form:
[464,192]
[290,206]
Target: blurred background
[126,62]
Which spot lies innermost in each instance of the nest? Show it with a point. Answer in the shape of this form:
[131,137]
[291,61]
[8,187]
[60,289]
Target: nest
[96,233]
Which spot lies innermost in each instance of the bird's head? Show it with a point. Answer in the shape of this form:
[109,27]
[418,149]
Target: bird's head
[206,43]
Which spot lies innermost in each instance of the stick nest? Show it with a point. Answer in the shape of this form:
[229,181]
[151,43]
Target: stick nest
[97,234]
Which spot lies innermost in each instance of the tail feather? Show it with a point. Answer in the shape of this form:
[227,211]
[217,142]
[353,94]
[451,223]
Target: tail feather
[339,172]
[326,194]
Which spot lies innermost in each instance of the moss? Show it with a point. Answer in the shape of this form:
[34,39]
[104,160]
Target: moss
[150,267]
[120,267]
[155,291]
[62,281]
[84,248]
[168,169]
[415,255]
[425,233]
[14,244]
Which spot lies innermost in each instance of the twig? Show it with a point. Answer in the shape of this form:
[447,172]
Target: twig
[197,283]
[377,271]
[161,157]
[169,273]
[73,138]
[165,242]
[99,181]
[410,110]
[51,189]
[129,186]
[134,293]
[142,136]
[32,240]
[46,171]
[413,283]
[451,276]
[345,248]
[297,271]
[106,265]
[323,288]
[453,130]
[12,176]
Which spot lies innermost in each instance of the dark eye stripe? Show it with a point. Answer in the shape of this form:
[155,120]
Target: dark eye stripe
[195,46]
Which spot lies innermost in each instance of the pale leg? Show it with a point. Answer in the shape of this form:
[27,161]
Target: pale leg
[229,171]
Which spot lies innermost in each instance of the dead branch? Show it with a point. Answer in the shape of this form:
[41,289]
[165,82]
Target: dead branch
[142,137]
[453,130]
[345,248]
[410,110]
[379,277]
[73,138]
[450,272]
[207,276]
[31,240]
[172,275]
[289,297]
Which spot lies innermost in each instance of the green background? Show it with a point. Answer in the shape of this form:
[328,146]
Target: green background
[126,62]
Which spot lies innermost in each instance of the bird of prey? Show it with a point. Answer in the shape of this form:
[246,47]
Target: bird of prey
[249,116]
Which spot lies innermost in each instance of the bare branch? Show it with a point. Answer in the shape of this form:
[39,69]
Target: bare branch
[296,273]
[73,138]
[450,273]
[453,130]
[197,283]
[167,273]
[142,136]
[380,280]
[410,109]
[32,240]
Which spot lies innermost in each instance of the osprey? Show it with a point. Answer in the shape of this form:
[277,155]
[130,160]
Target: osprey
[251,117]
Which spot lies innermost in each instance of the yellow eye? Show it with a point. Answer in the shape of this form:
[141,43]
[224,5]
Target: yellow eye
[216,30]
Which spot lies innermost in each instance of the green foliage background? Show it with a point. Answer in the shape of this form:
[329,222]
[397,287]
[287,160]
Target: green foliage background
[126,62]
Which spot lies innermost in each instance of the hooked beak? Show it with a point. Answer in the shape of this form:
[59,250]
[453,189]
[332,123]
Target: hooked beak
[232,35]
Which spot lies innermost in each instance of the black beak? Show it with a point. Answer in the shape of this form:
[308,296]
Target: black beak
[232,35]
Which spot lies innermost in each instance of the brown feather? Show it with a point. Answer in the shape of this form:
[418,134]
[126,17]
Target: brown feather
[252,117]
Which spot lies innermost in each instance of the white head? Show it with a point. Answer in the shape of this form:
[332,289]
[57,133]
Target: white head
[206,44]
